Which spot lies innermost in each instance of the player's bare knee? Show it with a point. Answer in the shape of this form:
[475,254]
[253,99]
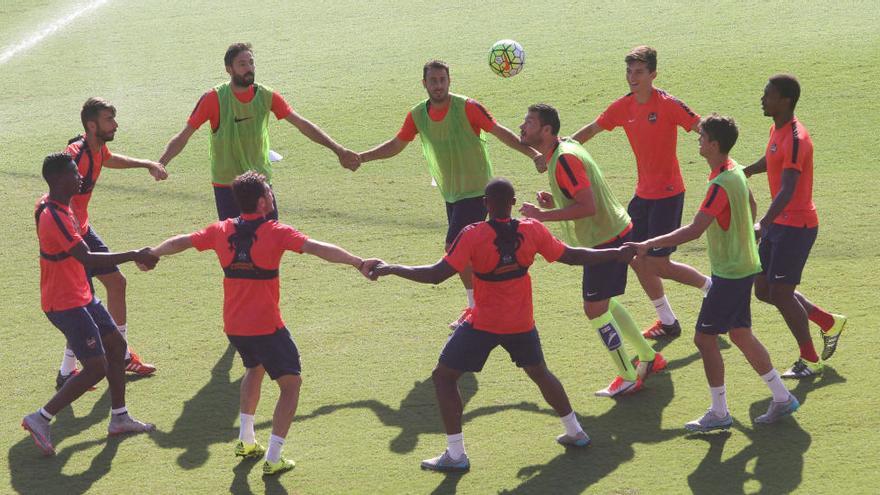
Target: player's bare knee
[443,375]
[95,368]
[290,384]
[741,337]
[705,341]
[114,282]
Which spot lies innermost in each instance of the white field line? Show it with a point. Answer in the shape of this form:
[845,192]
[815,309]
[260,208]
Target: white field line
[10,51]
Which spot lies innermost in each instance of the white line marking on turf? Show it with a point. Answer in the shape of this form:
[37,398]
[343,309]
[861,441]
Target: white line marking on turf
[50,29]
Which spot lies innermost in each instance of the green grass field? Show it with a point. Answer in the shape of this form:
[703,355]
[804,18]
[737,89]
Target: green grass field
[367,413]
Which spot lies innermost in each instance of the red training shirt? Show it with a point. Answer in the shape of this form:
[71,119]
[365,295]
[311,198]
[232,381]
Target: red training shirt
[63,283]
[208,107]
[790,146]
[502,307]
[478,117]
[90,165]
[716,204]
[250,307]
[651,130]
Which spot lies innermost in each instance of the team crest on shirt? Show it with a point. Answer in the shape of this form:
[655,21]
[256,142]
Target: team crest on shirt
[91,343]
[652,117]
[773,148]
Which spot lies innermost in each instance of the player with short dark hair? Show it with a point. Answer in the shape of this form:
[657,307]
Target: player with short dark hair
[500,251]
[91,154]
[453,131]
[238,111]
[590,216]
[72,307]
[651,117]
[789,227]
[249,248]
[726,215]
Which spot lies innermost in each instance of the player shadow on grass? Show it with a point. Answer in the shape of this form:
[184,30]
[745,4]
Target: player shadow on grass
[776,451]
[417,413]
[207,418]
[632,419]
[30,473]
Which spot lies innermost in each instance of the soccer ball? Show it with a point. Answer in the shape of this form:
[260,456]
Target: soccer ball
[507,58]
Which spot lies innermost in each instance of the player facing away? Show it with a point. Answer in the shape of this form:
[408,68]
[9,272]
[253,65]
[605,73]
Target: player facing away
[452,129]
[500,251]
[71,306]
[239,114]
[651,117]
[789,227]
[727,215]
[91,154]
[590,216]
[249,248]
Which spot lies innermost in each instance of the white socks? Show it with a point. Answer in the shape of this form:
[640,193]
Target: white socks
[571,424]
[45,415]
[274,452]
[123,329]
[455,445]
[68,362]
[664,311]
[706,286]
[470,297]
[119,411]
[719,400]
[246,431]
[777,388]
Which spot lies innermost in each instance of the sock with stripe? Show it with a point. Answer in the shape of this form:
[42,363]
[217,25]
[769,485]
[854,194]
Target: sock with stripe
[630,331]
[609,335]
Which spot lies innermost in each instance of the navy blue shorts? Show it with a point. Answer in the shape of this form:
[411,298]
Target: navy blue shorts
[653,217]
[468,348]
[784,251]
[727,306]
[606,280]
[96,245]
[83,327]
[277,352]
[228,208]
[463,213]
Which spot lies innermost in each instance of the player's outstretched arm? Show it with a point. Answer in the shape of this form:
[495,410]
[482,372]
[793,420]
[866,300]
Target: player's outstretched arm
[587,132]
[507,137]
[89,259]
[176,145]
[335,254]
[172,245]
[677,237]
[157,170]
[347,158]
[588,256]
[385,150]
[759,167]
[427,274]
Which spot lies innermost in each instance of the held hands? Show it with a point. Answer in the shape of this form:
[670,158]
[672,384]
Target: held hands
[626,253]
[349,159]
[380,269]
[640,248]
[157,170]
[367,267]
[545,200]
[145,259]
